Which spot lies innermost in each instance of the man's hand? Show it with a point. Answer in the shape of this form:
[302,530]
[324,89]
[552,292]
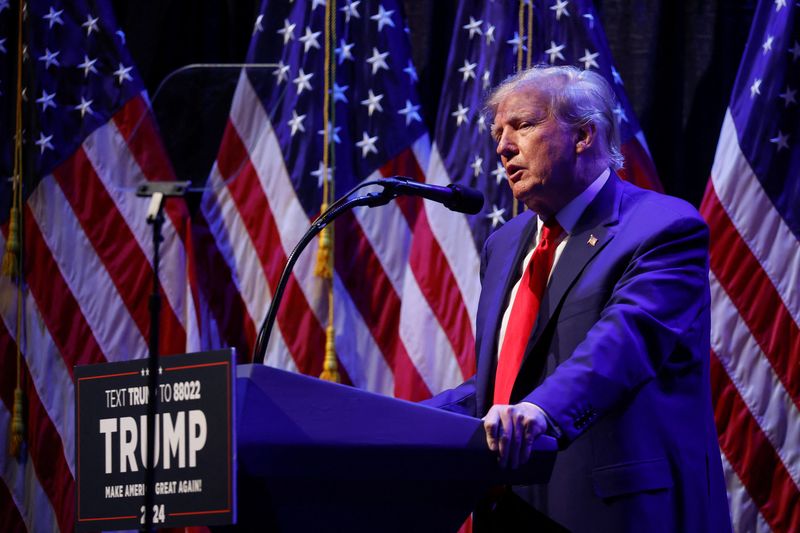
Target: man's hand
[511,430]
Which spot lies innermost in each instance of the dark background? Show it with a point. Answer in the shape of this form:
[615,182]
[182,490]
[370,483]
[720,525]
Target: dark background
[678,60]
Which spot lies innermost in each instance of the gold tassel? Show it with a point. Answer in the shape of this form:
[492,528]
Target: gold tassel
[330,368]
[323,266]
[17,425]
[11,255]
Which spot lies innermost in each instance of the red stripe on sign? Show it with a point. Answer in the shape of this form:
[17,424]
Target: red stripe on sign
[117,248]
[639,167]
[304,335]
[434,275]
[225,303]
[753,294]
[10,519]
[41,438]
[58,308]
[752,456]
[378,304]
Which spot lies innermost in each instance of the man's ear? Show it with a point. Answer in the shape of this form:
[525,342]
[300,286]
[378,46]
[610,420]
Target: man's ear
[586,137]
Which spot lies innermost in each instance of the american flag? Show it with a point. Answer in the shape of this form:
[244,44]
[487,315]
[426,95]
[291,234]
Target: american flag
[751,204]
[89,141]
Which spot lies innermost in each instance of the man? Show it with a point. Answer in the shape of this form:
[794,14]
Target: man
[593,322]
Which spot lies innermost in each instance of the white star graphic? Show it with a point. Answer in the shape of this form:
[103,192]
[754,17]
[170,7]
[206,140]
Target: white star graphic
[320,174]
[489,34]
[378,60]
[44,142]
[481,124]
[516,42]
[54,17]
[88,66]
[487,81]
[619,112]
[281,72]
[779,4]
[258,27]
[411,71]
[468,70]
[411,112]
[373,102]
[123,73]
[383,18]
[287,32]
[795,51]
[84,107]
[460,114]
[296,122]
[3,45]
[767,46]
[309,40]
[589,59]
[755,88]
[46,100]
[351,10]
[560,7]
[555,52]
[333,133]
[338,92]
[49,58]
[616,76]
[499,173]
[477,166]
[318,3]
[474,27]
[302,81]
[496,216]
[90,24]
[367,145]
[782,141]
[343,51]
[788,96]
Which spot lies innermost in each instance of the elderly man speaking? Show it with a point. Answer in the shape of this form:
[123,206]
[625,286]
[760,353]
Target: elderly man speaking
[593,325]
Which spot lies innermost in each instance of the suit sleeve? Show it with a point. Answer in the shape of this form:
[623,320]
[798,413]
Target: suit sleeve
[642,330]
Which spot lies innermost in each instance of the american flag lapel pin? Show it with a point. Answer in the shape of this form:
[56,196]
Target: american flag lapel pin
[592,240]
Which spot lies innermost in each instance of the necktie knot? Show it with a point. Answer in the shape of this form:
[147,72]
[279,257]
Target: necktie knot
[551,230]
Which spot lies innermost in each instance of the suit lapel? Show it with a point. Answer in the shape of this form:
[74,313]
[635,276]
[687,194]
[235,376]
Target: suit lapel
[595,229]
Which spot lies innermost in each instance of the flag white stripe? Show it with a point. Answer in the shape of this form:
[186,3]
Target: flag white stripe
[745,515]
[51,378]
[755,218]
[85,274]
[426,343]
[760,389]
[32,502]
[450,230]
[120,174]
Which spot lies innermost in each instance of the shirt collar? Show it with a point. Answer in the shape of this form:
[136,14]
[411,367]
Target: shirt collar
[570,214]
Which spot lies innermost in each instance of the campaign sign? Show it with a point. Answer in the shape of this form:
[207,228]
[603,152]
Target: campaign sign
[195,443]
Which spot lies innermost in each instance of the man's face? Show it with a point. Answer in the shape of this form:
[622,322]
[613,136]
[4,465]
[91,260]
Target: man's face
[537,151]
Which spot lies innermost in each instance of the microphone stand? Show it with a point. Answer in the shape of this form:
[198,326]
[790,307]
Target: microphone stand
[370,200]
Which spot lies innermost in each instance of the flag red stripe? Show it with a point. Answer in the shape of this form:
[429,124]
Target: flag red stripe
[304,335]
[59,310]
[753,294]
[752,455]
[117,248]
[41,438]
[10,519]
[432,271]
[639,168]
[378,303]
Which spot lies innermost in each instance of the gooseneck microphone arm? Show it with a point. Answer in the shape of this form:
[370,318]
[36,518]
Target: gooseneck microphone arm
[456,198]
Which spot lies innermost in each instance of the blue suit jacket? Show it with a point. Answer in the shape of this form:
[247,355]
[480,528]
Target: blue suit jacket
[618,358]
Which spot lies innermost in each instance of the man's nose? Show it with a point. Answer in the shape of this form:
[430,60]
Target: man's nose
[506,145]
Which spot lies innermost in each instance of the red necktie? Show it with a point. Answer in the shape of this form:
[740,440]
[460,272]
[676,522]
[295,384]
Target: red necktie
[524,311]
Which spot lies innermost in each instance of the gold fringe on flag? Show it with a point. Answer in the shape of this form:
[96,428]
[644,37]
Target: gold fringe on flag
[12,259]
[322,268]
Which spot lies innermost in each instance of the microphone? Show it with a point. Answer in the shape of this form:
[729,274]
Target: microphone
[454,197]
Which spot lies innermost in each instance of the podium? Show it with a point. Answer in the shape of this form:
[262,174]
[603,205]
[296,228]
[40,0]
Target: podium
[319,456]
